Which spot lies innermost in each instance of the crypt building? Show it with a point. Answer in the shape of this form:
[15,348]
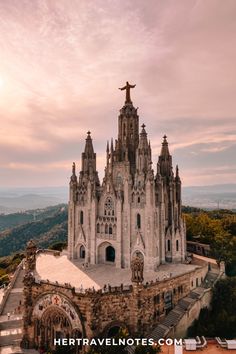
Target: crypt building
[135,210]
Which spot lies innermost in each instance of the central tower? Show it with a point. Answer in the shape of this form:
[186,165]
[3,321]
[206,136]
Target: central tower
[135,211]
[128,131]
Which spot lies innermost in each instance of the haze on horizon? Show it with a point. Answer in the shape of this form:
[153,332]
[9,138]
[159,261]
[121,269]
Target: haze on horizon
[61,65]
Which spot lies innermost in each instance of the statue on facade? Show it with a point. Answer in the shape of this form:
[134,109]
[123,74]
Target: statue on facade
[30,256]
[127,87]
[137,265]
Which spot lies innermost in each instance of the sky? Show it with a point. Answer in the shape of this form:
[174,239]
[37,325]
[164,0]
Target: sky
[61,63]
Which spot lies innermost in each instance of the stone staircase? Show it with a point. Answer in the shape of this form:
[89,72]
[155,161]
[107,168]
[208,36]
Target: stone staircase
[17,350]
[10,332]
[173,317]
[210,279]
[11,329]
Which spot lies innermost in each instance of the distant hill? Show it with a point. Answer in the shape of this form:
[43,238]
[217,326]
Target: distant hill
[221,196]
[11,220]
[21,199]
[46,231]
[14,200]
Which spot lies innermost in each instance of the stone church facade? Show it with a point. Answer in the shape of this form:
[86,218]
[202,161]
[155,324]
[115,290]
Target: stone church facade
[131,220]
[136,210]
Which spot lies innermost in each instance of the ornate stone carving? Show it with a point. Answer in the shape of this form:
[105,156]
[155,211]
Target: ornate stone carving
[30,256]
[137,265]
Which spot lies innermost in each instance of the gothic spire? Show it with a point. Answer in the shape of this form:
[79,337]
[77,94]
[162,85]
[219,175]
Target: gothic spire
[128,132]
[89,159]
[165,159]
[143,153]
[88,151]
[165,149]
[73,178]
[177,178]
[108,153]
[73,185]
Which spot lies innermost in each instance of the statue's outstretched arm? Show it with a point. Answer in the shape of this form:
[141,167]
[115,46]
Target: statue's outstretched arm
[122,88]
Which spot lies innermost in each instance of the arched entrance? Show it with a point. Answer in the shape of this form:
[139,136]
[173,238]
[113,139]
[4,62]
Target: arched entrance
[110,254]
[54,316]
[106,253]
[113,331]
[53,324]
[82,252]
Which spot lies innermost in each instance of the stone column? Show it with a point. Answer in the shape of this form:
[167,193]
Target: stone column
[93,231]
[118,233]
[126,227]
[137,266]
[71,229]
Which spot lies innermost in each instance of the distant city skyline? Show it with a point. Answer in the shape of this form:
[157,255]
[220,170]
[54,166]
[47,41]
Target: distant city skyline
[62,63]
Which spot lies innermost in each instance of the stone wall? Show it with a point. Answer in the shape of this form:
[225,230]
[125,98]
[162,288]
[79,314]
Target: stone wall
[180,331]
[137,307]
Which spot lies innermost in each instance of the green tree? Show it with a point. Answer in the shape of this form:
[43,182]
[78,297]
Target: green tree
[220,321]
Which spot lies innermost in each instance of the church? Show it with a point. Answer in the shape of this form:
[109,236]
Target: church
[126,265]
[135,210]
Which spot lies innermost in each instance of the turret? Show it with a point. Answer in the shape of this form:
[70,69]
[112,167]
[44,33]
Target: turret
[165,159]
[178,189]
[143,153]
[88,171]
[73,184]
[88,156]
[73,178]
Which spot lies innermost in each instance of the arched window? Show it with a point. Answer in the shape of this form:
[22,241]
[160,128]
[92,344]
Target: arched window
[98,228]
[110,254]
[110,229]
[82,252]
[81,217]
[138,200]
[168,245]
[106,229]
[138,221]
[108,206]
[177,245]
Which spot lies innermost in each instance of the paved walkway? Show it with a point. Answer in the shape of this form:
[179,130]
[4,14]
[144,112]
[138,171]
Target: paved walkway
[50,267]
[11,329]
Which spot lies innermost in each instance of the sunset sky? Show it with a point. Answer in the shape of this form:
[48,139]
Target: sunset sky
[62,61]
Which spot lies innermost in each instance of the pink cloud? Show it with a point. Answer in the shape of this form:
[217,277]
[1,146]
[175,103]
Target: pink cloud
[62,62]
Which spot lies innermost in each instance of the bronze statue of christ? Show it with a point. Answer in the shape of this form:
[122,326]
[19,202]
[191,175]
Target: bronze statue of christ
[127,87]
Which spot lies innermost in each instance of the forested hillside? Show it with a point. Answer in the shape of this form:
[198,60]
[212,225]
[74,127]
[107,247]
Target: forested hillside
[50,228]
[220,320]
[216,228]
[8,221]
